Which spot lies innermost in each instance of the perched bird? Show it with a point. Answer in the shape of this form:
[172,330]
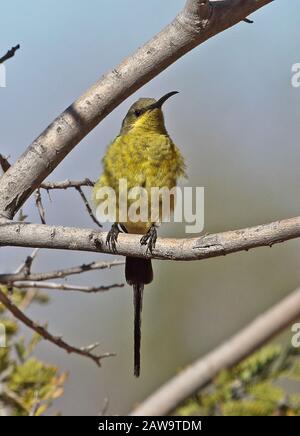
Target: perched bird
[145,156]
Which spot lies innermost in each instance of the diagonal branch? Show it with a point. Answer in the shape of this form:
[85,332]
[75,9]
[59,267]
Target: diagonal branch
[197,248]
[228,354]
[42,331]
[197,22]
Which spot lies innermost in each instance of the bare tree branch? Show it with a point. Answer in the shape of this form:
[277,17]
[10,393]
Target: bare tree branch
[197,22]
[66,287]
[87,205]
[42,331]
[58,274]
[228,354]
[197,248]
[10,53]
[40,207]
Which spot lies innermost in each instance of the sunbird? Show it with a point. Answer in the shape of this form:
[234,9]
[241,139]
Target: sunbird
[145,156]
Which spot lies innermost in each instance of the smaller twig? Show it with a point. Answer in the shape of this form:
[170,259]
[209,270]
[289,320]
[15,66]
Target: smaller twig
[39,205]
[67,184]
[88,207]
[42,331]
[248,21]
[25,268]
[10,53]
[65,287]
[59,274]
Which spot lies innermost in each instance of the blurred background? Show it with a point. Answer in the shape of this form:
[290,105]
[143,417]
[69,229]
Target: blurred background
[236,121]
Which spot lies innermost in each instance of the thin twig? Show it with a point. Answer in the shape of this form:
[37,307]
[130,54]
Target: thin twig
[5,165]
[104,407]
[21,216]
[65,184]
[25,268]
[56,340]
[10,53]
[39,205]
[66,287]
[228,354]
[59,274]
[88,207]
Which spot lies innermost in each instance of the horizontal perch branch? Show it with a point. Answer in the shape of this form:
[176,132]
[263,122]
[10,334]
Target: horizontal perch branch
[231,352]
[200,247]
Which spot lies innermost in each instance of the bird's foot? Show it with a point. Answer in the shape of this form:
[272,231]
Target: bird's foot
[149,238]
[112,237]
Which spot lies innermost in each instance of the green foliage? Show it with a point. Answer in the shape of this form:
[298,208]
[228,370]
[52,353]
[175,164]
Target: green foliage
[251,388]
[27,385]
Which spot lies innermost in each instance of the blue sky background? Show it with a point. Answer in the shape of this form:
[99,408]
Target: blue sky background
[236,121]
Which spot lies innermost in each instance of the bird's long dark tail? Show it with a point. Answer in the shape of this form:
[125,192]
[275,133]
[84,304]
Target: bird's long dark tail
[138,273]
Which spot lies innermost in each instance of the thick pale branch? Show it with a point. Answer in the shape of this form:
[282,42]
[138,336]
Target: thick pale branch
[200,247]
[199,21]
[200,373]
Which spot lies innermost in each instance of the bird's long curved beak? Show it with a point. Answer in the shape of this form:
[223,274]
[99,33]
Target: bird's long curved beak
[164,98]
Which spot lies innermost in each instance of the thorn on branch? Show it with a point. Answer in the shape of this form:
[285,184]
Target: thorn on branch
[248,21]
[10,53]
[88,207]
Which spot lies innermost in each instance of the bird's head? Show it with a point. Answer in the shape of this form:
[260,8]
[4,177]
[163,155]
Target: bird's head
[146,113]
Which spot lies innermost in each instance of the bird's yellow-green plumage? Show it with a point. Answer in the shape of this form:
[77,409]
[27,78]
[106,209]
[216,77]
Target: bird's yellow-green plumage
[144,154]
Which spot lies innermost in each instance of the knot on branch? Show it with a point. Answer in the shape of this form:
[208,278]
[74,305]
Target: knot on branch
[196,15]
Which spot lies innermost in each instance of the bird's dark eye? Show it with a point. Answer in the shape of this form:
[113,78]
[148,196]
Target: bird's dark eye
[137,112]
